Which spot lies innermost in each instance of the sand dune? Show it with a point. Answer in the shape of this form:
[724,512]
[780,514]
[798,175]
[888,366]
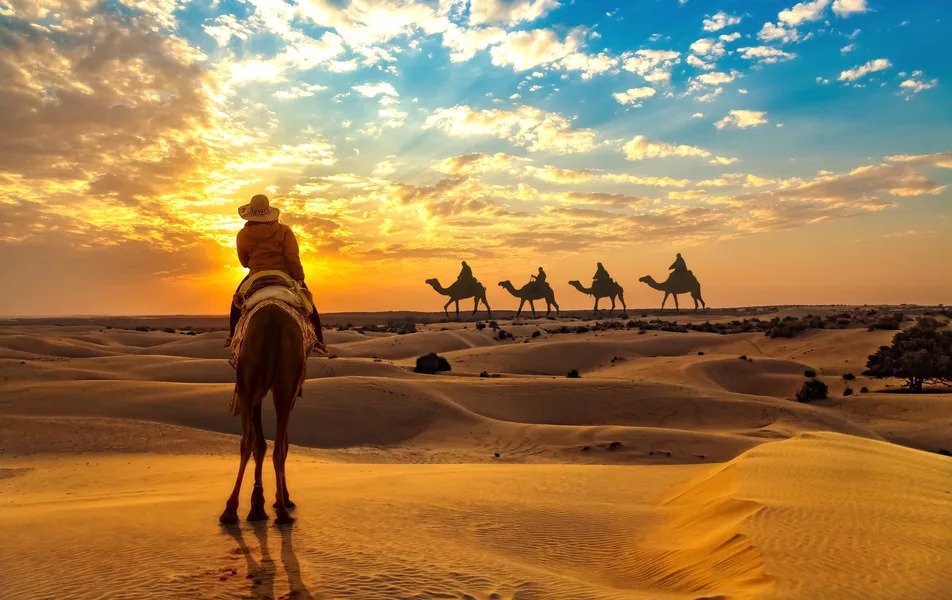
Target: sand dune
[671,469]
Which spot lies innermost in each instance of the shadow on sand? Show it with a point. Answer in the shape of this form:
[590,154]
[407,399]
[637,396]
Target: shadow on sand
[262,572]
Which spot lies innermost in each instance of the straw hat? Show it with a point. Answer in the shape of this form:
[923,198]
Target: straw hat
[259,209]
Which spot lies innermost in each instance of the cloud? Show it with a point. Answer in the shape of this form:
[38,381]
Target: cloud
[771,32]
[914,85]
[708,47]
[508,12]
[298,91]
[861,71]
[742,119]
[465,43]
[640,148]
[720,20]
[589,64]
[804,11]
[845,8]
[525,126]
[524,50]
[372,90]
[765,54]
[477,163]
[634,96]
[653,65]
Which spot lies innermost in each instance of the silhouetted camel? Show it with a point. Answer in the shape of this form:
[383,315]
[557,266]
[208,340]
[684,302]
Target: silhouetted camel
[677,283]
[271,359]
[460,291]
[609,289]
[531,292]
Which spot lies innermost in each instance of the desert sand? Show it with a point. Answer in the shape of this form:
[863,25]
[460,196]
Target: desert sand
[671,469]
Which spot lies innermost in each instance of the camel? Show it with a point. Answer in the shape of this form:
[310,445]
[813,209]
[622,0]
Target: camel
[271,359]
[531,292]
[677,284]
[460,291]
[602,290]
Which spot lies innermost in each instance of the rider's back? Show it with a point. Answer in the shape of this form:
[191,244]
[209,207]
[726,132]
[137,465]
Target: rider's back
[269,246]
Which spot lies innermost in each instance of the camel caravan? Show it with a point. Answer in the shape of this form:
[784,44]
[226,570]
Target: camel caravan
[274,327]
[680,281]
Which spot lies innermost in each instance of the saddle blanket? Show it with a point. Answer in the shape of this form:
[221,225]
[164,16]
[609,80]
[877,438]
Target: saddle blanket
[241,329]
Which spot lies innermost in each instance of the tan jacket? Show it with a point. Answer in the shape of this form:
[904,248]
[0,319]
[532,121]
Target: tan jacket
[267,246]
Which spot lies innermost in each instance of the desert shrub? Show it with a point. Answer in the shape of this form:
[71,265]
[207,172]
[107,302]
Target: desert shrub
[742,357]
[809,373]
[848,377]
[812,389]
[502,334]
[848,392]
[142,328]
[864,390]
[401,327]
[920,354]
[890,323]
[493,325]
[168,330]
[536,334]
[573,374]
[581,329]
[480,326]
[431,363]
[700,352]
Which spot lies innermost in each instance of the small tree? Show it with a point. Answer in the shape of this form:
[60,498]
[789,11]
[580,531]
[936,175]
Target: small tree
[920,354]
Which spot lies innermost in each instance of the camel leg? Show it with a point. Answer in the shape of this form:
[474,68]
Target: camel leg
[595,312]
[624,306]
[261,448]
[532,306]
[230,515]
[282,405]
[519,310]
[663,300]
[677,307]
[489,311]
[446,306]
[612,309]
[287,495]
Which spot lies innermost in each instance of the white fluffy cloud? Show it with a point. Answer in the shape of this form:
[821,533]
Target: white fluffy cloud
[719,21]
[526,126]
[912,86]
[742,119]
[640,148]
[653,65]
[524,50]
[847,7]
[765,54]
[508,12]
[804,11]
[858,72]
[634,96]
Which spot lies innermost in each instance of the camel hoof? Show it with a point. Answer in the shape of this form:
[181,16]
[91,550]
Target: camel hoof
[228,518]
[287,503]
[284,519]
[256,515]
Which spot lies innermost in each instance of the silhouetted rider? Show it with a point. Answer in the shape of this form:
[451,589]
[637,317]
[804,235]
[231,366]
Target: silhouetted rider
[679,265]
[465,274]
[540,278]
[601,275]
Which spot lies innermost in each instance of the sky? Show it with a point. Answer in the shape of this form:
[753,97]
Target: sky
[794,153]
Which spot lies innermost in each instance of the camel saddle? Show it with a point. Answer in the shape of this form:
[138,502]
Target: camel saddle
[278,285]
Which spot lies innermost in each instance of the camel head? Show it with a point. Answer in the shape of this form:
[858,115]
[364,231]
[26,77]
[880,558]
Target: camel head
[505,283]
[575,282]
[646,279]
[433,283]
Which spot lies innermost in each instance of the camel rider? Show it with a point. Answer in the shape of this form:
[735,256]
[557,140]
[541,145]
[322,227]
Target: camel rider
[601,275]
[679,265]
[465,274]
[540,277]
[264,244]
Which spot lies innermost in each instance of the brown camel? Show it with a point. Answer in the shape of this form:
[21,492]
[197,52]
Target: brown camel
[531,292]
[609,289]
[677,283]
[460,291]
[271,359]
